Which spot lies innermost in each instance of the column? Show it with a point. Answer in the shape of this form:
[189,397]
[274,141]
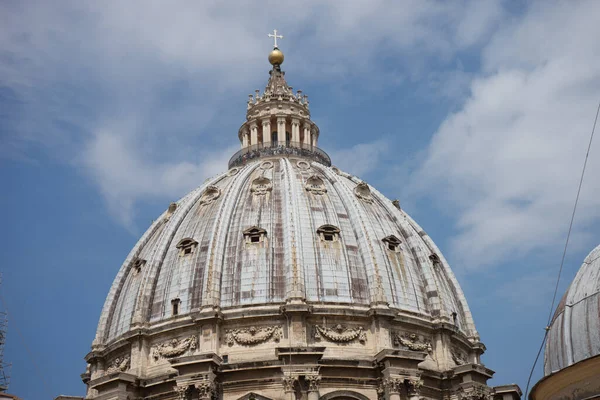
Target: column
[295,130]
[307,141]
[313,386]
[266,132]
[281,129]
[313,135]
[245,138]
[253,133]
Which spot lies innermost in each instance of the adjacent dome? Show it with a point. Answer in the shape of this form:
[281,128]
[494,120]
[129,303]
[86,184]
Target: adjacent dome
[279,230]
[574,333]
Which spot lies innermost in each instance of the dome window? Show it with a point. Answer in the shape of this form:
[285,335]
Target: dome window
[315,185]
[210,194]
[255,235]
[392,243]
[261,186]
[329,233]
[137,264]
[435,259]
[175,307]
[186,247]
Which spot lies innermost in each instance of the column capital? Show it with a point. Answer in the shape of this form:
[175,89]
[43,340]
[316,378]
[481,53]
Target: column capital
[289,383]
[205,388]
[253,124]
[313,382]
[413,385]
[296,121]
[393,384]
[266,121]
[281,120]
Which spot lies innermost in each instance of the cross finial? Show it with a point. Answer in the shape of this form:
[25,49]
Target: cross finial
[275,36]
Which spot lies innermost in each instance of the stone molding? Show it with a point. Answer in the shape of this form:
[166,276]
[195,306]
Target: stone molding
[253,335]
[174,347]
[340,334]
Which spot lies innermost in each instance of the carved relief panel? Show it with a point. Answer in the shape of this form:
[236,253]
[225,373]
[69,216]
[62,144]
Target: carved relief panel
[253,335]
[174,348]
[340,334]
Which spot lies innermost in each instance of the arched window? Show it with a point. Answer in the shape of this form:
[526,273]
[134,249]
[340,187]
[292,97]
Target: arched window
[288,137]
[329,233]
[186,246]
[274,138]
[392,243]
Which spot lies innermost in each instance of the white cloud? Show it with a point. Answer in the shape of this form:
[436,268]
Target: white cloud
[509,160]
[75,70]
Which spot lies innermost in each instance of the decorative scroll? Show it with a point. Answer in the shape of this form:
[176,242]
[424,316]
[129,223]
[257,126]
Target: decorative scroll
[210,194]
[119,364]
[174,348]
[363,192]
[340,334]
[253,335]
[412,342]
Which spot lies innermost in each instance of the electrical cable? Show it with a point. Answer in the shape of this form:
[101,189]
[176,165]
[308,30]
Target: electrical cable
[562,261]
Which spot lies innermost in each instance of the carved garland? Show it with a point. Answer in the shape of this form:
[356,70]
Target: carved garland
[252,335]
[340,334]
[174,348]
[119,364]
[412,342]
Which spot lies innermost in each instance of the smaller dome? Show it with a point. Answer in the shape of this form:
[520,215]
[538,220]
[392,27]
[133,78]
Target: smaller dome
[574,334]
[276,57]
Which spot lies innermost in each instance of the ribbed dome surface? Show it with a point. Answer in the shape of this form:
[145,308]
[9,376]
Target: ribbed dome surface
[575,330]
[281,229]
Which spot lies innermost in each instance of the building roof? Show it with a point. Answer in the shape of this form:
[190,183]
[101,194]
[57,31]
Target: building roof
[574,334]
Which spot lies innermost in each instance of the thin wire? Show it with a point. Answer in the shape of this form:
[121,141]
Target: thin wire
[562,261]
[27,350]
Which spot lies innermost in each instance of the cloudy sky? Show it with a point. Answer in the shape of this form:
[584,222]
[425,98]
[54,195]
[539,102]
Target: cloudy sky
[475,114]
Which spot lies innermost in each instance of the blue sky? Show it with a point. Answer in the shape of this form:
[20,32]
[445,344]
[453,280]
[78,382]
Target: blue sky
[476,115]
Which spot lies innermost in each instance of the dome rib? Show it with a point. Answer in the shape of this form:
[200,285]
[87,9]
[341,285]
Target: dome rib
[293,263]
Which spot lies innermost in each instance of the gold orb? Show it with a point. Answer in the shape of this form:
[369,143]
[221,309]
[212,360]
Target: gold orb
[276,57]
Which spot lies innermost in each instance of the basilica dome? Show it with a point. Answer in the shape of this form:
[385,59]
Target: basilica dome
[285,277]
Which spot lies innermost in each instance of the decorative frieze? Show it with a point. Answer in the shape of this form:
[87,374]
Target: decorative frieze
[475,392]
[253,335]
[340,334]
[174,347]
[119,364]
[411,341]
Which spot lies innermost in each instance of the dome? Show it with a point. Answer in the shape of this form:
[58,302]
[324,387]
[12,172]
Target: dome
[574,334]
[284,277]
[277,230]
